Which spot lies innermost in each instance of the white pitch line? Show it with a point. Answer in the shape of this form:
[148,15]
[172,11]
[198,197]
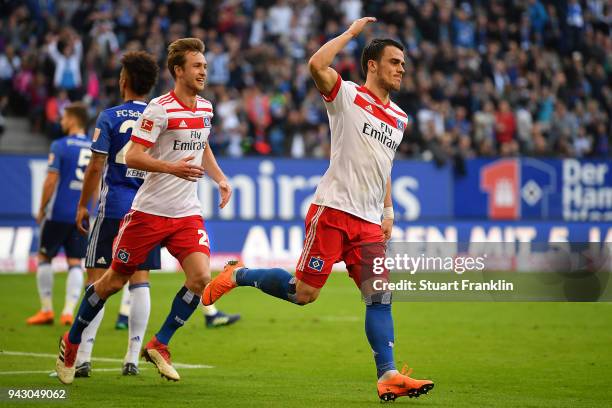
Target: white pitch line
[97,370]
[101,359]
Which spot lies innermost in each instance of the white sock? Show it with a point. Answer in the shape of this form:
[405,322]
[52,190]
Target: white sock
[88,338]
[124,309]
[44,278]
[388,374]
[209,310]
[74,286]
[140,309]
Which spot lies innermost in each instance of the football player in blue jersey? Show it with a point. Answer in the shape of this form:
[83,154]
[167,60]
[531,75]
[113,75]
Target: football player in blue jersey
[111,141]
[61,190]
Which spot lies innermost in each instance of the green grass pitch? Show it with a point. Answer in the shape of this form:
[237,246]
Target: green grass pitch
[478,354]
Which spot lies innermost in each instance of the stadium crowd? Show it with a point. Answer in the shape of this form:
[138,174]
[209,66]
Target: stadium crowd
[483,78]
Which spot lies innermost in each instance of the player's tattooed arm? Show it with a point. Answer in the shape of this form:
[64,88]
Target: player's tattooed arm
[48,188]
[138,158]
[387,222]
[91,187]
[324,76]
[214,172]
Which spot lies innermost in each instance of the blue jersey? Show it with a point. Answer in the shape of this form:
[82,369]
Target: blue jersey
[69,157]
[112,138]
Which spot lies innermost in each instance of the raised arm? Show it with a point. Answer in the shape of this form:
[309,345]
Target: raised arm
[324,76]
[138,158]
[53,51]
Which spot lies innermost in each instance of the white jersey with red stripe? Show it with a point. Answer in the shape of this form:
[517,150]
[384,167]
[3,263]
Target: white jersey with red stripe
[365,133]
[172,131]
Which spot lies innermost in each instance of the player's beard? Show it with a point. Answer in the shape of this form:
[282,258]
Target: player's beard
[196,87]
[388,86]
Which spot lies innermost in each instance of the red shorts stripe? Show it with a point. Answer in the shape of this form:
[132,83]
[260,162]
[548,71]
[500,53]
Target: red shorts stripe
[124,224]
[312,231]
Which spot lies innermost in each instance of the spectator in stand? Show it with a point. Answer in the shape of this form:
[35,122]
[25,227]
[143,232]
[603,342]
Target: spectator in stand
[564,124]
[279,19]
[67,59]
[460,58]
[537,19]
[484,122]
[257,106]
[9,64]
[505,124]
[218,65]
[464,27]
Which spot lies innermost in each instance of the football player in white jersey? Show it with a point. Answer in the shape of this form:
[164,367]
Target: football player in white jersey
[170,142]
[351,216]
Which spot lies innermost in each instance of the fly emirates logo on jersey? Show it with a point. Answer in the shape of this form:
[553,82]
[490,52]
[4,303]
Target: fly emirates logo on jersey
[384,135]
[198,129]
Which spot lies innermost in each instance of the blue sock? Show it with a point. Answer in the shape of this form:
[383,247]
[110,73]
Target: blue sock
[276,282]
[91,304]
[379,330]
[183,305]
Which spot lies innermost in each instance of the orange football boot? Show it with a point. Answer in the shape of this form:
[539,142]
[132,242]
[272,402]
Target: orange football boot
[66,320]
[41,317]
[400,385]
[222,284]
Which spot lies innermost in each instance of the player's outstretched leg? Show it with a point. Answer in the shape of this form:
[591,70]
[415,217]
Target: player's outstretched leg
[214,317]
[276,282]
[139,318]
[93,301]
[156,351]
[379,331]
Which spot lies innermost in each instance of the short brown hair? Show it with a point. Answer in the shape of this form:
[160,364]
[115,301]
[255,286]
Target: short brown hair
[178,49]
[78,110]
[374,51]
[141,71]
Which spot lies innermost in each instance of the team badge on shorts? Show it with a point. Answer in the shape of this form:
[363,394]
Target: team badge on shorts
[315,263]
[123,255]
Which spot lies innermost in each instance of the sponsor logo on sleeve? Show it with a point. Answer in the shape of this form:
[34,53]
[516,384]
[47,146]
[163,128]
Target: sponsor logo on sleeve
[146,125]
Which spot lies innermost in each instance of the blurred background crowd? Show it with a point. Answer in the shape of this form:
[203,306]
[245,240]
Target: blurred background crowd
[483,78]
